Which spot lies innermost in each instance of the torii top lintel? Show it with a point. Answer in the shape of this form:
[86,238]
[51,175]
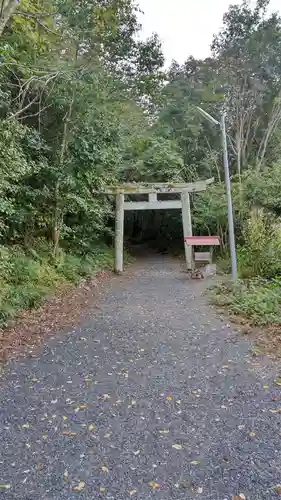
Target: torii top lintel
[159,187]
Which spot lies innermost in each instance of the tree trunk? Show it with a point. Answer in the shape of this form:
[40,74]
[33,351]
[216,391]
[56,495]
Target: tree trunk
[7,9]
[58,213]
[273,123]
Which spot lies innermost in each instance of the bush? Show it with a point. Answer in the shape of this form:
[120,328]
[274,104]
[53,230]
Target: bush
[27,277]
[256,299]
[69,267]
[260,256]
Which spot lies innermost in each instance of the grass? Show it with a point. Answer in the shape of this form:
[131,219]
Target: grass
[256,299]
[26,277]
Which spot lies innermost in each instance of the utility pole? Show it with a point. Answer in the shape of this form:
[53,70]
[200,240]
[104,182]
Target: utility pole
[231,232]
[229,200]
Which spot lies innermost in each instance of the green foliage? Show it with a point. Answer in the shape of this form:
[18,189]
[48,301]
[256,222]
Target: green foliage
[257,300]
[160,160]
[263,189]
[257,296]
[261,253]
[71,112]
[27,277]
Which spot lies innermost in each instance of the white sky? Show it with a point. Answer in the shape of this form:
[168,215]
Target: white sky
[185,27]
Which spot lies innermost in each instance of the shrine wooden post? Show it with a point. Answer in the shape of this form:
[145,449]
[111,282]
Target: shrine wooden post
[119,232]
[187,227]
[153,203]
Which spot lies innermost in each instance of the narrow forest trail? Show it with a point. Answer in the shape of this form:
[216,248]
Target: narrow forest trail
[154,397]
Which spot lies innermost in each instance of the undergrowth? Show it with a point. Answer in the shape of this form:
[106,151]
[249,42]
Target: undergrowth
[256,296]
[26,277]
[257,299]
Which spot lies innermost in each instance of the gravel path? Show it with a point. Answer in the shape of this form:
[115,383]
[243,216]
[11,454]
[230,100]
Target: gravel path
[154,397]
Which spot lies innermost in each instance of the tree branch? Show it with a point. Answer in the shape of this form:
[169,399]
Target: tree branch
[17,113]
[35,15]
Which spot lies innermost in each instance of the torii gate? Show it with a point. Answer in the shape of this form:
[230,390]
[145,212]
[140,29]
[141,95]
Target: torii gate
[152,190]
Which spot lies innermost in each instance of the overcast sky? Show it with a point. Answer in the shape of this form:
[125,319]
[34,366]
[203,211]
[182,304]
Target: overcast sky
[185,27]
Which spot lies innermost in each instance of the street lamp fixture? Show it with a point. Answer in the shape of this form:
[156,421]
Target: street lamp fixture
[207,116]
[231,231]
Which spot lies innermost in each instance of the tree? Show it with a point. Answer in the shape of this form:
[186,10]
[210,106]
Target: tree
[76,87]
[248,53]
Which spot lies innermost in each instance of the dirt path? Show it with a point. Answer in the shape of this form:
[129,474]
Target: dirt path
[153,397]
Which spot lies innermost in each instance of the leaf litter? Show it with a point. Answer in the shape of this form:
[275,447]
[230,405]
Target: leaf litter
[177,446]
[80,487]
[277,489]
[64,309]
[154,485]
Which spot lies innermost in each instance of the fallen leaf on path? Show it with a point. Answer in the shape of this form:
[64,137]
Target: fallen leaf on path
[277,489]
[68,433]
[177,446]
[62,310]
[80,407]
[154,485]
[79,487]
[194,462]
[132,492]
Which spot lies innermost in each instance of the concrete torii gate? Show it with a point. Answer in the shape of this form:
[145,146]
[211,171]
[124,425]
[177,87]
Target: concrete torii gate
[152,190]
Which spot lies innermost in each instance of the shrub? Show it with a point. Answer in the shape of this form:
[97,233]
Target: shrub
[27,277]
[260,255]
[256,299]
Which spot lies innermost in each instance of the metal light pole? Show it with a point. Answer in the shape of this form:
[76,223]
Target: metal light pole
[221,124]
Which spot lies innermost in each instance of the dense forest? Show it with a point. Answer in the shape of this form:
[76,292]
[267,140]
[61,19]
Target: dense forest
[85,102]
